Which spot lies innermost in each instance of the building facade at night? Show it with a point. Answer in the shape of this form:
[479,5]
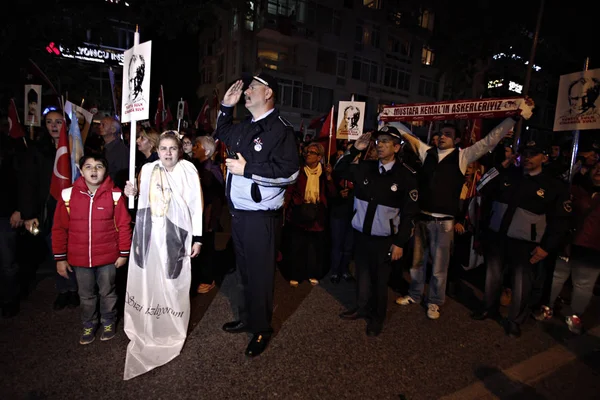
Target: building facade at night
[323,52]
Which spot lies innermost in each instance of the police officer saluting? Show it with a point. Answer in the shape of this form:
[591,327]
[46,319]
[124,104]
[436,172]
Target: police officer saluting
[263,160]
[529,218]
[385,205]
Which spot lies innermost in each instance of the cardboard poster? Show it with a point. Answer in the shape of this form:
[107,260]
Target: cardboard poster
[351,119]
[577,106]
[136,83]
[33,105]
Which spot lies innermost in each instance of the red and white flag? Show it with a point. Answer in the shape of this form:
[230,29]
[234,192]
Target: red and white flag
[61,173]
[203,119]
[163,113]
[328,133]
[15,129]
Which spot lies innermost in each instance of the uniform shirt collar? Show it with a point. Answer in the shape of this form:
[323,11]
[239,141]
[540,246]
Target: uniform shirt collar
[265,115]
[387,166]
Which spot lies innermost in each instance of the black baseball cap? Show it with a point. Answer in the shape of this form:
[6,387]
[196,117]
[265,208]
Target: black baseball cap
[388,130]
[266,79]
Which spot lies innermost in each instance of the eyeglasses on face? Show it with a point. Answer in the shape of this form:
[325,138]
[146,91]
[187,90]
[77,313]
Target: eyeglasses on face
[307,152]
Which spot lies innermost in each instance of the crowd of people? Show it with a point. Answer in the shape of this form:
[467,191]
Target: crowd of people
[386,197]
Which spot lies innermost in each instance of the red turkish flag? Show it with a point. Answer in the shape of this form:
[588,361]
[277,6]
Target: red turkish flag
[61,174]
[203,119]
[14,125]
[160,108]
[327,129]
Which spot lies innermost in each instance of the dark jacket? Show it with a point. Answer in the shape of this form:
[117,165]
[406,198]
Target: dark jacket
[586,210]
[531,208]
[269,148]
[384,204]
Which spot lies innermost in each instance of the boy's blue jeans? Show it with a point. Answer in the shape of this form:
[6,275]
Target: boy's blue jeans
[87,278]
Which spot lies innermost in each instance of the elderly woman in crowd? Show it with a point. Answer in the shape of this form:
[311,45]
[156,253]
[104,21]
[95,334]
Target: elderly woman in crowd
[168,233]
[305,239]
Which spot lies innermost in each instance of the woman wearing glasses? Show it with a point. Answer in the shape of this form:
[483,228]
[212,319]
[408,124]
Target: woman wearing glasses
[305,240]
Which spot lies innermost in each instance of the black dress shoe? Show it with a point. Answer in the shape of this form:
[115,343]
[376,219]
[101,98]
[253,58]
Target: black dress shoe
[61,301]
[512,329]
[258,344]
[373,329]
[235,327]
[348,277]
[351,315]
[73,300]
[335,278]
[481,315]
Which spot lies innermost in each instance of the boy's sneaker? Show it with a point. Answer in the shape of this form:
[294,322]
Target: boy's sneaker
[89,333]
[574,324]
[433,311]
[108,330]
[405,300]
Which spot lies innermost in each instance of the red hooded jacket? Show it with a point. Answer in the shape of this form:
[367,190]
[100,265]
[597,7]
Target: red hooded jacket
[96,231]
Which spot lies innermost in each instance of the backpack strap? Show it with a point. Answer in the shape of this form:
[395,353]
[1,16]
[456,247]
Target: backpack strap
[66,196]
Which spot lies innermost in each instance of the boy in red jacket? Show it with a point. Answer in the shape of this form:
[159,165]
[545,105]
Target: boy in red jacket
[92,232]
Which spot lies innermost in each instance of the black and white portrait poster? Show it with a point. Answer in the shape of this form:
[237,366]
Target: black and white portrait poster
[136,83]
[350,120]
[578,103]
[33,105]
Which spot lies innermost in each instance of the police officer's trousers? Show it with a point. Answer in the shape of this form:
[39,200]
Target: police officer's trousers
[373,268]
[500,253]
[256,236]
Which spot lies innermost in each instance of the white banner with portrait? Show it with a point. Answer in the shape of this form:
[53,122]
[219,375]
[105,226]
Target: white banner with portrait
[578,101]
[351,119]
[33,105]
[135,102]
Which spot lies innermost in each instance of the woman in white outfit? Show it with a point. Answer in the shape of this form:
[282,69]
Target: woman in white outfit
[167,233]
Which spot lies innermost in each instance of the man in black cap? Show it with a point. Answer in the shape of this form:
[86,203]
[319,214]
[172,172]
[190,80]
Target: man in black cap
[263,160]
[529,218]
[385,204]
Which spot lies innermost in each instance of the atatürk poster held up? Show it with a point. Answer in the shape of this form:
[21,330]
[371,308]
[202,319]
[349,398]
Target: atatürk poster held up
[136,83]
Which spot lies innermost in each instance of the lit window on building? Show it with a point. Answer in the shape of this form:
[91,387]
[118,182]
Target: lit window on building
[426,20]
[427,56]
[374,4]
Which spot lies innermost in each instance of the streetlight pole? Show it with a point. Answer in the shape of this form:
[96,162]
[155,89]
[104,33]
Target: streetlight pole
[530,69]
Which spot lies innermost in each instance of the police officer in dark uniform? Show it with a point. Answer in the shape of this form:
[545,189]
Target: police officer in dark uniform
[529,219]
[262,161]
[385,204]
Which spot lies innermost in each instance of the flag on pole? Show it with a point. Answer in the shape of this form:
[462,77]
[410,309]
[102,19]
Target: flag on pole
[15,129]
[328,133]
[76,145]
[61,173]
[214,110]
[111,77]
[168,117]
[160,111]
[203,119]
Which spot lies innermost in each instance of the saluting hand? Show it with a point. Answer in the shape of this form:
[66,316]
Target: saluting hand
[363,141]
[233,94]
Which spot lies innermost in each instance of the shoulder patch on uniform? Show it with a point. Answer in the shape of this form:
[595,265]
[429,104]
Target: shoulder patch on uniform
[408,167]
[285,121]
[414,195]
[567,205]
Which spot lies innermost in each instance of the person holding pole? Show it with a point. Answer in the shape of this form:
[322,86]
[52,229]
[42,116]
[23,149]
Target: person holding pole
[385,204]
[263,160]
[440,182]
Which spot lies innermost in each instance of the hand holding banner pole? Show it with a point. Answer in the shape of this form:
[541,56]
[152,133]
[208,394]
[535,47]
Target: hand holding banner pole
[132,134]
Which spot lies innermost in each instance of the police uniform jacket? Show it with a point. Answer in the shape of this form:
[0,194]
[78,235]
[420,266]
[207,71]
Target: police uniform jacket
[531,208]
[269,148]
[384,204]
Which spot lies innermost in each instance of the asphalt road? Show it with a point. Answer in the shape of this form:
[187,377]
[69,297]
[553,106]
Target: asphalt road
[314,354]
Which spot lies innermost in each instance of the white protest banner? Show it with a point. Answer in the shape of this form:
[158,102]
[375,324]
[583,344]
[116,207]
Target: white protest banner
[577,103]
[458,109]
[350,120]
[135,102]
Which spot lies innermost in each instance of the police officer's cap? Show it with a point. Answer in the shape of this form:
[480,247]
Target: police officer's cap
[532,147]
[388,130]
[267,80]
